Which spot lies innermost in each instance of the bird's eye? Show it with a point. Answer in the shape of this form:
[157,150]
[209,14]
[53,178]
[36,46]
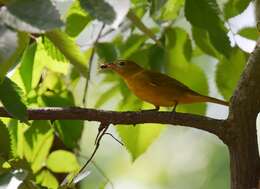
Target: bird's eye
[121,63]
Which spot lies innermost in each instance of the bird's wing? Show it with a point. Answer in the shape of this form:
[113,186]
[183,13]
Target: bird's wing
[161,80]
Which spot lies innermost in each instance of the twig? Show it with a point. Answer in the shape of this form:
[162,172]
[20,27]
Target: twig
[114,138]
[90,64]
[105,126]
[98,168]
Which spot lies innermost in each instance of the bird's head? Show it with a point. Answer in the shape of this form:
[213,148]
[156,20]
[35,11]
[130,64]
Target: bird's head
[124,68]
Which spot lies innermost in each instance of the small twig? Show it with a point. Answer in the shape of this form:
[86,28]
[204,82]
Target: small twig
[90,64]
[105,127]
[100,131]
[98,168]
[115,138]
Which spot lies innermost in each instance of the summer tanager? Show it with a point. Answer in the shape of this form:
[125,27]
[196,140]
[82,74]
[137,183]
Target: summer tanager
[157,88]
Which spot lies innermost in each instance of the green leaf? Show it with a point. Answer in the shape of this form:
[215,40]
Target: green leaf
[156,6]
[76,19]
[100,10]
[69,131]
[11,98]
[138,138]
[228,72]
[32,63]
[12,44]
[26,68]
[179,68]
[17,137]
[203,13]
[69,49]
[235,7]
[106,51]
[4,141]
[46,179]
[171,9]
[202,40]
[61,161]
[131,45]
[195,12]
[55,60]
[34,16]
[250,33]
[38,141]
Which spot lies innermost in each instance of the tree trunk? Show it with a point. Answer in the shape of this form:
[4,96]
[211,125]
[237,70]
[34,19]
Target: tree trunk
[244,157]
[243,147]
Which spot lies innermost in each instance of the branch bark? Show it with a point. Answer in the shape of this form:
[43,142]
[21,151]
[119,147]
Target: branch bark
[211,125]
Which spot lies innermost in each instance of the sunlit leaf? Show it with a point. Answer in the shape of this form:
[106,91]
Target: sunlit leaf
[69,49]
[235,7]
[55,61]
[228,72]
[4,141]
[16,130]
[47,179]
[38,141]
[138,138]
[140,7]
[171,9]
[76,19]
[250,33]
[61,161]
[35,16]
[156,5]
[26,68]
[11,97]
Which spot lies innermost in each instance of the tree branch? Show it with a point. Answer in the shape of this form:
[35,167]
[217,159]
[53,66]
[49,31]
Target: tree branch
[211,125]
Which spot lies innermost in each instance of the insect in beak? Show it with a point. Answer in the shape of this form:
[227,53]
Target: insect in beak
[106,66]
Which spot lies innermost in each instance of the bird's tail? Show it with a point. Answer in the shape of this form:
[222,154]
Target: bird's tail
[215,100]
[201,98]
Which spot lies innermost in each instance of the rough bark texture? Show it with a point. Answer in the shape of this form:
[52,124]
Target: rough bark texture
[245,105]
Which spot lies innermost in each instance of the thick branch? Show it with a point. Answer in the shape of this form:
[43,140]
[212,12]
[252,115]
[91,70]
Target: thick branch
[211,125]
[245,105]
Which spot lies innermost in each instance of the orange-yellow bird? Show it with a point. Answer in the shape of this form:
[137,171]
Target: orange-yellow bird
[157,88]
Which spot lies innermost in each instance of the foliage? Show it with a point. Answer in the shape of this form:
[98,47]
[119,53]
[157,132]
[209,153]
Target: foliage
[42,65]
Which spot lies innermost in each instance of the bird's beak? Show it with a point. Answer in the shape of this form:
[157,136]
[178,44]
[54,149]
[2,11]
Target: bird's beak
[108,66]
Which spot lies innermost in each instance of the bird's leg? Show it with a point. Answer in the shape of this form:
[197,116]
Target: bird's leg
[175,106]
